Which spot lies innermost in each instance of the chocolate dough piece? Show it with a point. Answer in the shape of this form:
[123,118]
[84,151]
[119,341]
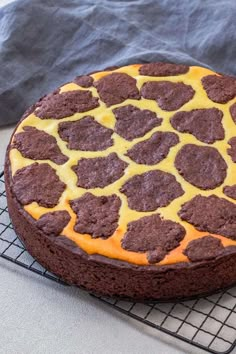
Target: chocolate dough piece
[150,190]
[232,150]
[233,112]
[204,249]
[170,96]
[53,223]
[132,122]
[219,89]
[204,124]
[96,216]
[65,104]
[84,81]
[153,234]
[163,69]
[116,88]
[85,134]
[211,214]
[99,171]
[38,145]
[230,191]
[154,149]
[202,166]
[38,183]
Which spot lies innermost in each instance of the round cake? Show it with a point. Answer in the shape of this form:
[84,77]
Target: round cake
[123,181]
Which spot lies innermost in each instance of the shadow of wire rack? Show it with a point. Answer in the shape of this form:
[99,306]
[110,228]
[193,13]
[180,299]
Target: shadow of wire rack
[208,323]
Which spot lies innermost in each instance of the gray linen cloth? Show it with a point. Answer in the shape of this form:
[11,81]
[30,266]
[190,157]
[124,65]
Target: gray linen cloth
[46,43]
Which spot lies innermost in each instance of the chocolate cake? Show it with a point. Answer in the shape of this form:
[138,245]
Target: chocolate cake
[123,181]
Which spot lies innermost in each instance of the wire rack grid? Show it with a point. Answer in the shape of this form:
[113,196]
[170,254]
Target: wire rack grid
[208,323]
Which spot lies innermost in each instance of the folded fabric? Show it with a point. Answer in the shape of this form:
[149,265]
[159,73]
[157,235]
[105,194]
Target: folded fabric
[46,43]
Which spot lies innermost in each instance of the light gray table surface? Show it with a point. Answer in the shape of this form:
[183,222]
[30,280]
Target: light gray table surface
[40,316]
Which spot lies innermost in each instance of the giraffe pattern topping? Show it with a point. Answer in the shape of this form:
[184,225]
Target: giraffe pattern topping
[232,150]
[97,216]
[53,223]
[163,69]
[205,248]
[154,149]
[116,88]
[219,215]
[132,122]
[202,166]
[220,89]
[84,81]
[38,145]
[151,190]
[204,124]
[170,96]
[38,183]
[85,134]
[66,104]
[135,163]
[233,112]
[154,235]
[99,172]
[230,191]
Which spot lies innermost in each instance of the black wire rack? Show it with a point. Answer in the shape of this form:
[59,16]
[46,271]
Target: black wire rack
[208,323]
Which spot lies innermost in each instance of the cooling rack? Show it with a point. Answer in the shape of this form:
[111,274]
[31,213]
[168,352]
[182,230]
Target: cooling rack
[208,323]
